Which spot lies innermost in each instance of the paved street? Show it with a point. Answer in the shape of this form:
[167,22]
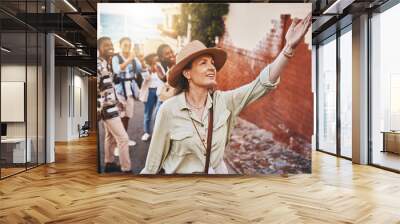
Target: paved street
[138,153]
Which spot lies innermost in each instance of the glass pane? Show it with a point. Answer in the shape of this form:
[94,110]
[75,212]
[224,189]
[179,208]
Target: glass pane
[346,94]
[41,99]
[314,84]
[31,99]
[13,86]
[327,97]
[385,86]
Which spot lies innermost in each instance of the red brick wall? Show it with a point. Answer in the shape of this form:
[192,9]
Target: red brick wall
[288,110]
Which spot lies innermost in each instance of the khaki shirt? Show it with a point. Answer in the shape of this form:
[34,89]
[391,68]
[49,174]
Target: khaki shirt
[176,146]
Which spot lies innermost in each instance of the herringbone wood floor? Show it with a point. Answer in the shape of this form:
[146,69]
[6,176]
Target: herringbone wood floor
[71,191]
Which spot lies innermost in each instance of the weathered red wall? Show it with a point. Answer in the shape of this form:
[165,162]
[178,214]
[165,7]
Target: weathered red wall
[288,110]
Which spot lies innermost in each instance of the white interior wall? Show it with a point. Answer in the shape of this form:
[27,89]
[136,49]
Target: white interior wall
[61,104]
[16,73]
[33,127]
[70,83]
[80,102]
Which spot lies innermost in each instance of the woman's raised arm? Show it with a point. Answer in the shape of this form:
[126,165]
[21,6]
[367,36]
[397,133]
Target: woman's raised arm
[268,79]
[294,35]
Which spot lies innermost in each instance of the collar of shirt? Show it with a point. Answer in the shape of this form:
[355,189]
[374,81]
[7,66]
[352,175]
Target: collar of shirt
[183,105]
[124,58]
[163,69]
[164,66]
[104,63]
[101,60]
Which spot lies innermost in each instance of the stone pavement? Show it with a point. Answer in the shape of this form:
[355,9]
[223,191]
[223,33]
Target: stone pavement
[252,150]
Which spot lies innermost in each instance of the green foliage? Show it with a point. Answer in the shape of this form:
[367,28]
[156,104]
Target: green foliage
[206,21]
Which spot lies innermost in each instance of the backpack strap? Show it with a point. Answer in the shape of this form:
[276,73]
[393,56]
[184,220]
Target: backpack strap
[133,62]
[161,72]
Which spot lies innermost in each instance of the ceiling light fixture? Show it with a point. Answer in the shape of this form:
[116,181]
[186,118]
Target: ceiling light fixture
[64,40]
[5,50]
[70,5]
[338,6]
[331,7]
[84,71]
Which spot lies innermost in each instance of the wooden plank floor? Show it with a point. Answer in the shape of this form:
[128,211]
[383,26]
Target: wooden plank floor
[71,191]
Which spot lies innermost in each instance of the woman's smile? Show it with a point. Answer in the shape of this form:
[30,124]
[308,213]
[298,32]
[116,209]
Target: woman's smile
[211,75]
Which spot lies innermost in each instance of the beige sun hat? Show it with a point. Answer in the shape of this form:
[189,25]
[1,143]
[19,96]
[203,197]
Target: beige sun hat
[191,51]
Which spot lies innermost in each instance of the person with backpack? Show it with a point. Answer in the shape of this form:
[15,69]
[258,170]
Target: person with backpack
[148,92]
[107,109]
[125,66]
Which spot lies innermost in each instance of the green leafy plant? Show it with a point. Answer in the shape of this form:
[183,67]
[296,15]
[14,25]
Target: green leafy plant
[207,21]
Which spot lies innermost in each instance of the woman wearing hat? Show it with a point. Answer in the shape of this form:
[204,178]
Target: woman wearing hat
[193,128]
